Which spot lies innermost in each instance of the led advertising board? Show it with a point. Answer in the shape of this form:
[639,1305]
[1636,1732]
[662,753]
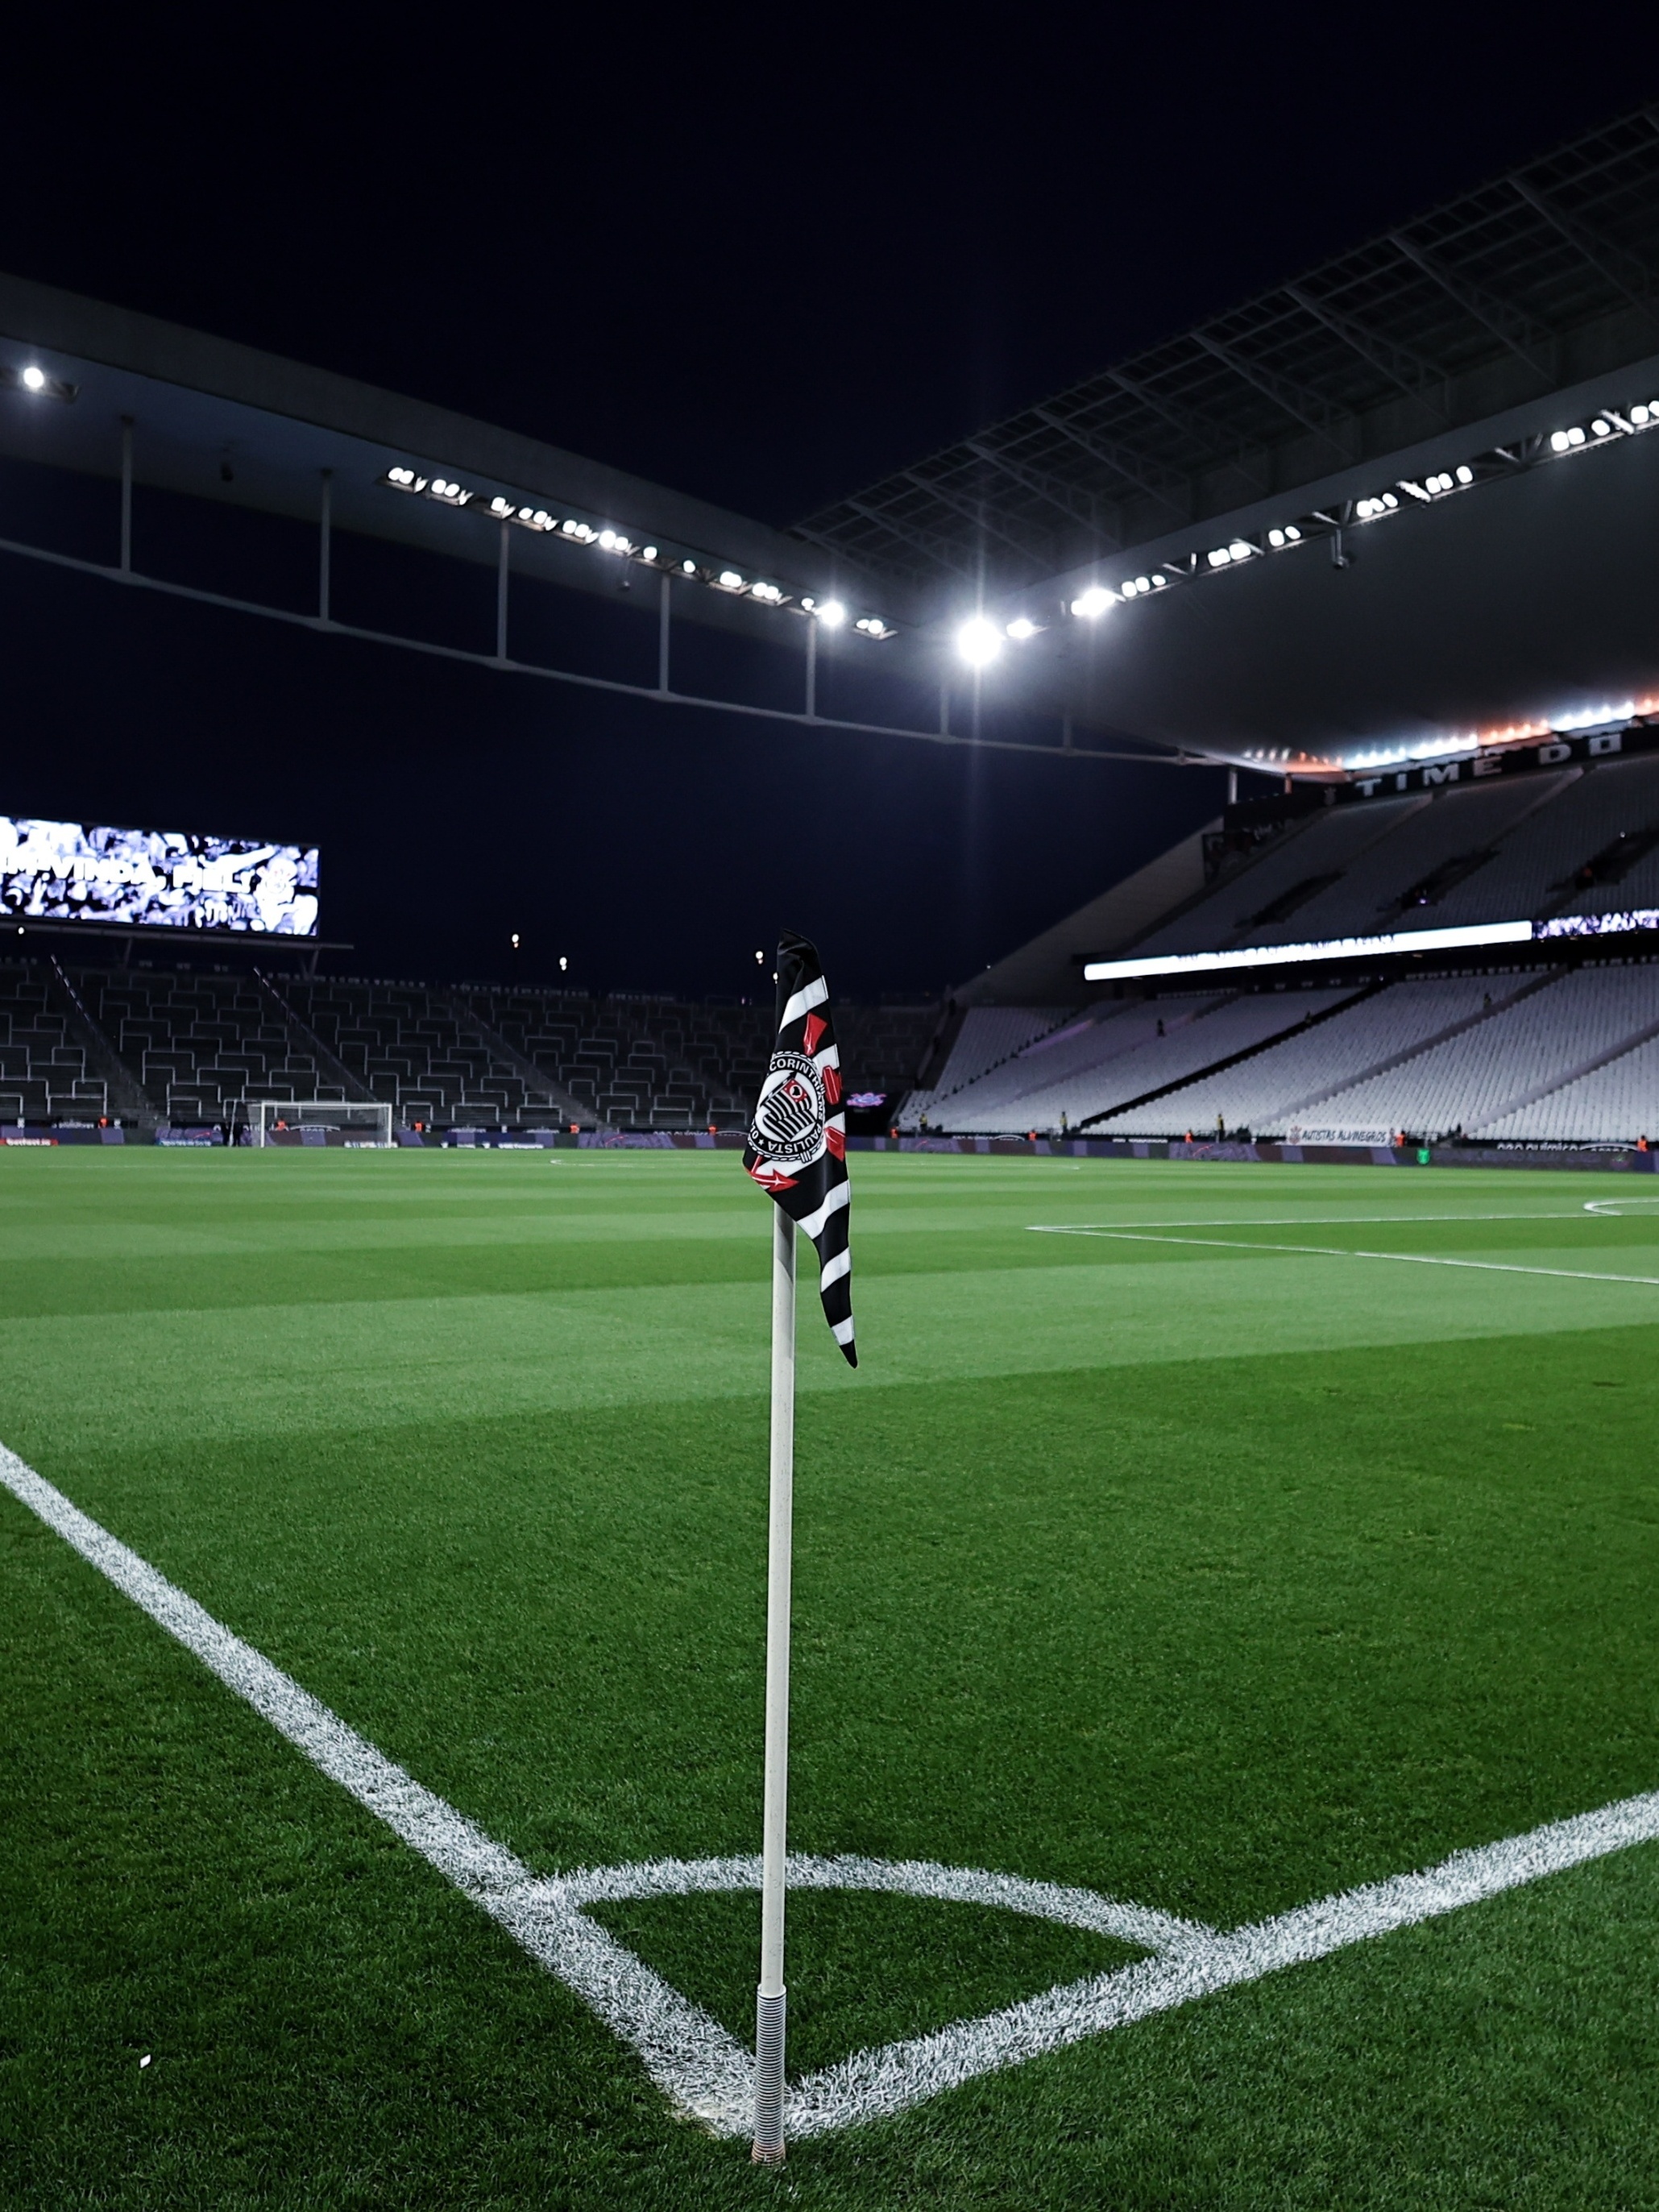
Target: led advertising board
[166,878]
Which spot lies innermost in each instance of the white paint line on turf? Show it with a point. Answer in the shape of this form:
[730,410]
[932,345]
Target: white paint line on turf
[1342,1252]
[702,2069]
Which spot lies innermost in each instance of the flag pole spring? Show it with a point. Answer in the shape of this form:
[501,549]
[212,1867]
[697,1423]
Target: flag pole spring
[768,2078]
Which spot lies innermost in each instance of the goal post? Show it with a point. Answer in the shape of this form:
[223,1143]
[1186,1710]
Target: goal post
[353,1122]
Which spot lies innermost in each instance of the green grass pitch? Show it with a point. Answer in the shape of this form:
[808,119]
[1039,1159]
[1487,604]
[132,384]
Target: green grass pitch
[1207,1574]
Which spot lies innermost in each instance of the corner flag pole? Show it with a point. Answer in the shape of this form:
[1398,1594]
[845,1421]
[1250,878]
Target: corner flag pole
[770,1998]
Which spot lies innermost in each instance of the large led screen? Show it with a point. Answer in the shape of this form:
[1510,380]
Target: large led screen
[170,878]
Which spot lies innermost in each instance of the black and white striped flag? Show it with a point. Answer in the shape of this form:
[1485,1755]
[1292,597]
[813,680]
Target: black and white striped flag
[797,1146]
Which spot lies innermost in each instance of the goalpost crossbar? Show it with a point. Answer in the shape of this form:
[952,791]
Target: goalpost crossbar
[360,1121]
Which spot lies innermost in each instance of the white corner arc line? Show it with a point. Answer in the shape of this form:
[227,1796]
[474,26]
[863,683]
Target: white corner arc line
[702,2068]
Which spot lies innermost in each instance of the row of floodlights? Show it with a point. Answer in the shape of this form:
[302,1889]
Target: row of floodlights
[571,530]
[1093,603]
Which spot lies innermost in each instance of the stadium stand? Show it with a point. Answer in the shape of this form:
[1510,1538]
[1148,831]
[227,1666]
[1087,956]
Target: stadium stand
[1550,1029]
[196,1045]
[1271,887]
[1617,1102]
[988,1036]
[1265,1092]
[186,1048]
[43,1071]
[1111,1057]
[1399,880]
[1537,870]
[1521,1054]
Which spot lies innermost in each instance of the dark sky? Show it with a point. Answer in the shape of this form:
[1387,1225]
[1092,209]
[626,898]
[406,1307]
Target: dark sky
[764,263]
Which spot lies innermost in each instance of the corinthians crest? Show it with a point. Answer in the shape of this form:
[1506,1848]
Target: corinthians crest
[789,1114]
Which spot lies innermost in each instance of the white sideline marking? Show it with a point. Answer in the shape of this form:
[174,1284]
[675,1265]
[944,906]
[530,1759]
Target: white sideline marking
[1328,1220]
[1347,1252]
[704,2070]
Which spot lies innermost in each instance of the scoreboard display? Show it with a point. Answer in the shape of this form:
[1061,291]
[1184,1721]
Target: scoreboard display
[165,878]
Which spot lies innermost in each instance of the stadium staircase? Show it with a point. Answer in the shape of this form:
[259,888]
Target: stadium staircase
[125,1095]
[536,1079]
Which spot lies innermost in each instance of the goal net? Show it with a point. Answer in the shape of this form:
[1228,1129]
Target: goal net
[348,1121]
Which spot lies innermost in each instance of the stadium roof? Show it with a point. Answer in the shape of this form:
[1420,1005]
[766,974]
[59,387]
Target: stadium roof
[227,424]
[1457,345]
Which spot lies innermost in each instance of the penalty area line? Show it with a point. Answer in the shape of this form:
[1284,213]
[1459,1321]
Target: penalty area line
[1343,1252]
[703,2070]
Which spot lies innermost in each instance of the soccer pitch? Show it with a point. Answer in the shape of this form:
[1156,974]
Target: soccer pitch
[1214,1540]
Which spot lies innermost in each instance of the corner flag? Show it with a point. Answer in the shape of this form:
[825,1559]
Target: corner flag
[797,1150]
[797,1146]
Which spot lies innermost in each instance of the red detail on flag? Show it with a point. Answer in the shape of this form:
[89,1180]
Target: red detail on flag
[835,1142]
[832,1086]
[816,1026]
[771,1178]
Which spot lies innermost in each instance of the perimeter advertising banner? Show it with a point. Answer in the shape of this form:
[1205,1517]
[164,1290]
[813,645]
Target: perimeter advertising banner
[169,878]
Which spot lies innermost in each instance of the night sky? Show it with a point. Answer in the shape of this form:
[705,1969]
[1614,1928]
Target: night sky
[765,264]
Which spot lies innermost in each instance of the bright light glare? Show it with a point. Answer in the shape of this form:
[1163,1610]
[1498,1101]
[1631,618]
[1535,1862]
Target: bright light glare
[1093,603]
[34,380]
[832,614]
[1021,627]
[978,641]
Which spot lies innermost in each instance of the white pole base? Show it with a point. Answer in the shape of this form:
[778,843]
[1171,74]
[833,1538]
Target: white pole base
[768,2079]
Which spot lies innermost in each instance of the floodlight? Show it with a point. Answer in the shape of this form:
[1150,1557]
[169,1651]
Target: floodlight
[608,539]
[729,581]
[1292,536]
[563,962]
[770,595]
[1465,473]
[1022,628]
[1559,441]
[1093,603]
[832,614]
[1275,538]
[978,641]
[1640,413]
[1602,429]
[31,377]
[649,553]
[688,568]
